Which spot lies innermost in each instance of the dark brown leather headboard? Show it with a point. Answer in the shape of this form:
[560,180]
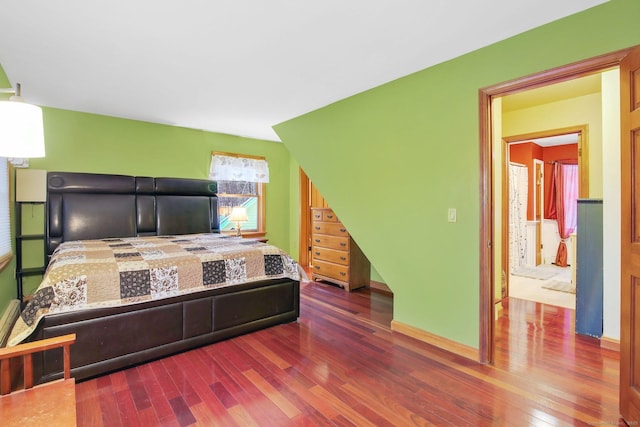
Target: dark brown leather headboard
[83,206]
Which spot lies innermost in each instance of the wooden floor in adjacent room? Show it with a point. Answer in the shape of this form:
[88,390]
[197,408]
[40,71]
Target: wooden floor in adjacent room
[341,365]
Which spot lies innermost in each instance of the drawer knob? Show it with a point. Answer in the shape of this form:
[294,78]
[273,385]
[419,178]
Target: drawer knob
[343,244]
[317,228]
[342,273]
[318,253]
[329,216]
[343,258]
[317,267]
[317,240]
[343,230]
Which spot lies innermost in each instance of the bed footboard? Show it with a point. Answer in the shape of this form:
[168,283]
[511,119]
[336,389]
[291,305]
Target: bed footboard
[114,338]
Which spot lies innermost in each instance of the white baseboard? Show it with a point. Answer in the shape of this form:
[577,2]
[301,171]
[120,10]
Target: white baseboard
[7,320]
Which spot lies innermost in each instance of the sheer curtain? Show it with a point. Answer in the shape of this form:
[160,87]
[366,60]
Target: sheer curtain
[518,196]
[563,203]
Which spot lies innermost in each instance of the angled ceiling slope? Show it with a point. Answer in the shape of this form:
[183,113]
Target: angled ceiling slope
[240,67]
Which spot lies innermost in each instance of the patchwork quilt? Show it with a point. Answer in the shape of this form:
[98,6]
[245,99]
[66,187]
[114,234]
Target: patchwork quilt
[108,272]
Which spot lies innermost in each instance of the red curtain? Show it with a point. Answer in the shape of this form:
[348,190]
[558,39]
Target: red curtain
[563,203]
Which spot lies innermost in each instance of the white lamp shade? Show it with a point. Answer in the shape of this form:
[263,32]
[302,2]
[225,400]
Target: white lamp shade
[21,130]
[31,185]
[239,213]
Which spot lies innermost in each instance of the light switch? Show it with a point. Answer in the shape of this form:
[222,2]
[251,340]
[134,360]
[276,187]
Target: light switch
[452,215]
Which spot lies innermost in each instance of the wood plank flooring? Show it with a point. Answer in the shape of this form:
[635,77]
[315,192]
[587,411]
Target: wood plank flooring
[341,365]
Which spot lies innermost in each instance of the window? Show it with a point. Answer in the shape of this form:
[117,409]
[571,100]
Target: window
[240,193]
[241,182]
[5,219]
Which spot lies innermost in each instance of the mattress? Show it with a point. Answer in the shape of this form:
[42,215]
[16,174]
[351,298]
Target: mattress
[88,274]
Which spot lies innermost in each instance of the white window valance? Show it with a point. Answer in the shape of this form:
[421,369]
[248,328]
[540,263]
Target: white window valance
[230,168]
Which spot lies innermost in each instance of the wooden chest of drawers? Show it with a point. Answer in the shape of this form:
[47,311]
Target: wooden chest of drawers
[335,257]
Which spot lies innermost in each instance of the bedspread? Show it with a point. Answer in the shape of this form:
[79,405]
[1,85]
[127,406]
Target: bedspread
[108,272]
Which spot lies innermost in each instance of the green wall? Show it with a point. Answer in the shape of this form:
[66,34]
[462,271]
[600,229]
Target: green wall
[405,152]
[81,142]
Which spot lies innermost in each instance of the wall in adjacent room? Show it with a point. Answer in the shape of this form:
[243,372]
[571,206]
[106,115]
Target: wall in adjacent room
[524,154]
[611,196]
[581,110]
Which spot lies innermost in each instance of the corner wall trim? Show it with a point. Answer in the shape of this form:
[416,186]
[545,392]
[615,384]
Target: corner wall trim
[610,344]
[436,340]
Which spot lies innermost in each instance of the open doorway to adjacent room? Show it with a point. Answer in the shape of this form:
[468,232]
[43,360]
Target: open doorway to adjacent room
[544,173]
[603,176]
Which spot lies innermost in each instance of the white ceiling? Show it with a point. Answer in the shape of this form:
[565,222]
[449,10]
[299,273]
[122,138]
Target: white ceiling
[240,67]
[550,141]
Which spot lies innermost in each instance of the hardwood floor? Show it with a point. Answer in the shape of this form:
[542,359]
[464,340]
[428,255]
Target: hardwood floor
[341,365]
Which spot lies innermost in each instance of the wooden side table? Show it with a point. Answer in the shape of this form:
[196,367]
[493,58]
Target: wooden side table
[51,403]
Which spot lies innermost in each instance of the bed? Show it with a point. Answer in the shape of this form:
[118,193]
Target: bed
[175,282]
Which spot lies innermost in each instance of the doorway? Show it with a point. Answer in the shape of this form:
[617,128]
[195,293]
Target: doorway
[530,241]
[490,253]
[310,197]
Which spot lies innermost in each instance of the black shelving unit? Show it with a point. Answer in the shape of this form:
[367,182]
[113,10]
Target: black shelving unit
[20,238]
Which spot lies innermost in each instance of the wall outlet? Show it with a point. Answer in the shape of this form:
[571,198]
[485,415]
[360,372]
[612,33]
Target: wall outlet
[452,215]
